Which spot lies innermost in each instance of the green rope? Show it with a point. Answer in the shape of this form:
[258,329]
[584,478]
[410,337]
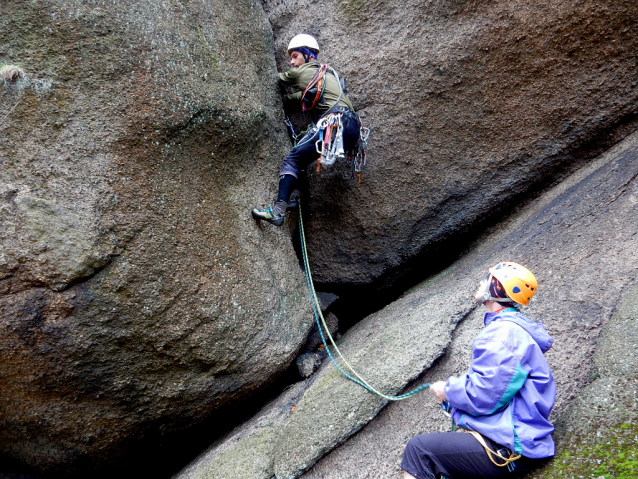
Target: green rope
[321,324]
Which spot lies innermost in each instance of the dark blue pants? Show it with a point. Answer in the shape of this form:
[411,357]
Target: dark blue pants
[457,455]
[306,150]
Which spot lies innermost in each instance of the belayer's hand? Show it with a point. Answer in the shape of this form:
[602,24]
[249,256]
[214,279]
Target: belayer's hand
[438,388]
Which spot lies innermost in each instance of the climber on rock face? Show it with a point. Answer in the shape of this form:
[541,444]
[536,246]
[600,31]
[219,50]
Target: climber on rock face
[321,93]
[503,400]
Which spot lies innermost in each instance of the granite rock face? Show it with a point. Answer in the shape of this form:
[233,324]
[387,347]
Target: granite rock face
[597,434]
[248,451]
[584,229]
[388,349]
[137,296]
[136,293]
[473,105]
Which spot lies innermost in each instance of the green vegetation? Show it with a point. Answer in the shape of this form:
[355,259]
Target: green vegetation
[353,9]
[612,454]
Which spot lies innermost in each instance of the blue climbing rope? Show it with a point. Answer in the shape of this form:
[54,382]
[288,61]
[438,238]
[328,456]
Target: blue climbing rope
[322,326]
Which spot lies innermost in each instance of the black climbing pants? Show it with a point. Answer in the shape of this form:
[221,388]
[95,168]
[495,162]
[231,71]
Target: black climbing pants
[457,455]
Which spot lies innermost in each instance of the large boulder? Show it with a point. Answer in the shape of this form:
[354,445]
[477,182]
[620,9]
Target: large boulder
[136,293]
[387,349]
[473,105]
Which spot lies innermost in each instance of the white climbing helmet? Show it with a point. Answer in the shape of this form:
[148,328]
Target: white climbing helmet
[302,40]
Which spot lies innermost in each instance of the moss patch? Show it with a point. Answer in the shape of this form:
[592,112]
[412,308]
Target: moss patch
[611,453]
[354,9]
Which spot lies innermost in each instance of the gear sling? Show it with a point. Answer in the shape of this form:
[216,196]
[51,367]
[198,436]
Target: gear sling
[330,145]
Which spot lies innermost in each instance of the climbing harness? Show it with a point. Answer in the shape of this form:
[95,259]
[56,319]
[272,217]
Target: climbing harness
[507,461]
[330,127]
[323,327]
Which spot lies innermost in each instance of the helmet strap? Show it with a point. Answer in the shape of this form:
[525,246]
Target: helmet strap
[307,54]
[487,297]
[486,293]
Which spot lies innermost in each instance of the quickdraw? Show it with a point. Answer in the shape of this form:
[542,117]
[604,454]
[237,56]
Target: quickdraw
[357,156]
[330,142]
[330,146]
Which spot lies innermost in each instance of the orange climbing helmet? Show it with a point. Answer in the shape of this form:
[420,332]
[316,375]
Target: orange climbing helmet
[519,282]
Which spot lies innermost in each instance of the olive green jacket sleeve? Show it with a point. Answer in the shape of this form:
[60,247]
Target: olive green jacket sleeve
[291,79]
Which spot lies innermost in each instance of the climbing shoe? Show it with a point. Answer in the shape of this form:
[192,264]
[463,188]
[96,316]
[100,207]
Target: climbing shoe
[293,202]
[275,214]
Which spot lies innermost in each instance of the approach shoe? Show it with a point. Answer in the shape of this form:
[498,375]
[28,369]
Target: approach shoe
[274,214]
[293,202]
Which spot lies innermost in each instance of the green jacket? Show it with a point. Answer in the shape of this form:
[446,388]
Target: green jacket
[300,77]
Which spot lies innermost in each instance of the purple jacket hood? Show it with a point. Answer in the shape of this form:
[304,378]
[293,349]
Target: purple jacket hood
[535,329]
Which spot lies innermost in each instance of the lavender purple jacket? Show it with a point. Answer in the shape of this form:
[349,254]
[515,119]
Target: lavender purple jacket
[508,391]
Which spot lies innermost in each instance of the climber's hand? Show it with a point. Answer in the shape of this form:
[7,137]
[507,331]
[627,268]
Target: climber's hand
[438,390]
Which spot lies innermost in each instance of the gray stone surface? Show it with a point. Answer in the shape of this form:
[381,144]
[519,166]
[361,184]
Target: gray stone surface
[596,436]
[597,433]
[387,349]
[472,105]
[617,353]
[137,295]
[314,341]
[580,240]
[563,237]
[326,300]
[248,451]
[307,364]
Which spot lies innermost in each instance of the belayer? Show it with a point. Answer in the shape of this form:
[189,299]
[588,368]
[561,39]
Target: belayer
[336,131]
[504,399]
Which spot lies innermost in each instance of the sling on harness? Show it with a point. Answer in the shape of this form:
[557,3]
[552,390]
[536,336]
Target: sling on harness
[505,455]
[330,125]
[316,86]
[507,461]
